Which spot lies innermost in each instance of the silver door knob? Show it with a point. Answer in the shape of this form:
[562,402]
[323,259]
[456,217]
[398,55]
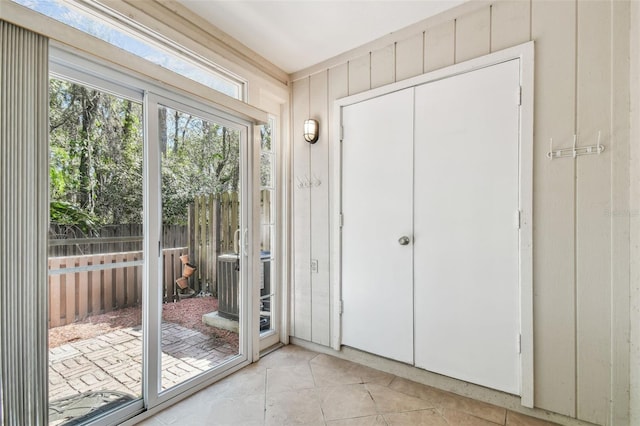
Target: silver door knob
[404,240]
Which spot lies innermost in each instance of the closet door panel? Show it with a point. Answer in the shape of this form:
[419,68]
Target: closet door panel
[377,200]
[466,238]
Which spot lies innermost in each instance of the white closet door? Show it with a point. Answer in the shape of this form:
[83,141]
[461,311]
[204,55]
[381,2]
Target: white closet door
[466,238]
[377,204]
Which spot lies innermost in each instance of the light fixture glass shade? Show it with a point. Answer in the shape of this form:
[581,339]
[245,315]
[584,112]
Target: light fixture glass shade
[311,130]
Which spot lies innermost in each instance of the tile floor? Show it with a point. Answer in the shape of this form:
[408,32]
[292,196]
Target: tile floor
[296,386]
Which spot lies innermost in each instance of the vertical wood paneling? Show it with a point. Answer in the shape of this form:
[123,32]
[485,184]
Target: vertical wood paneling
[580,257]
[621,213]
[473,34]
[510,23]
[319,171]
[553,208]
[360,74]
[302,308]
[593,201]
[24,205]
[383,66]
[439,46]
[634,376]
[409,57]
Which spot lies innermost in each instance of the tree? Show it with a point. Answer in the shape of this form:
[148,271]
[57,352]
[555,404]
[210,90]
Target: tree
[96,154]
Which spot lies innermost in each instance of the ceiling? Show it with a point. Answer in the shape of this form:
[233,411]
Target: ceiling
[296,34]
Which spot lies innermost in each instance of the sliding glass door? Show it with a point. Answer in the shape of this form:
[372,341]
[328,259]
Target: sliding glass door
[198,313]
[202,191]
[150,244]
[95,284]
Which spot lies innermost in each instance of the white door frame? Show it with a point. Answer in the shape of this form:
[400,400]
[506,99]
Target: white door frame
[525,53]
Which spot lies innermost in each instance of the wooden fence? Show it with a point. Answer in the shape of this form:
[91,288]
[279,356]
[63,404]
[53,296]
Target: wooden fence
[67,240]
[77,295]
[212,230]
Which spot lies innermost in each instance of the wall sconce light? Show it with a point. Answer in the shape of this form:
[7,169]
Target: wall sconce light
[311,128]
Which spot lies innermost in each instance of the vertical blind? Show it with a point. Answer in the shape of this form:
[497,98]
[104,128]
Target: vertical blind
[23,225]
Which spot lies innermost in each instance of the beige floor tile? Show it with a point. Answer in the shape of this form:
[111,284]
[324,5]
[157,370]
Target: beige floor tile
[296,386]
[283,379]
[286,356]
[391,401]
[300,407]
[330,375]
[248,410]
[412,418]
[371,375]
[479,409]
[346,402]
[458,418]
[516,419]
[359,421]
[250,382]
[447,400]
[434,396]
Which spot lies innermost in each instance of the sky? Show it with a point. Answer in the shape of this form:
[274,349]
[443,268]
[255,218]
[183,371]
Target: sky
[60,11]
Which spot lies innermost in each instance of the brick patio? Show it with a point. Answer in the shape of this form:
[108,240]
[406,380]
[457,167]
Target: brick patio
[113,361]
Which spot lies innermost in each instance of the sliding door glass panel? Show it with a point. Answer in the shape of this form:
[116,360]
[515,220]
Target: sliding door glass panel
[202,243]
[268,284]
[95,252]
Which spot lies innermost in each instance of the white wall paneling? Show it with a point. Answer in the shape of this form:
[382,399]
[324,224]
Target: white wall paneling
[473,35]
[319,172]
[593,224]
[302,310]
[579,75]
[510,23]
[439,46]
[383,66]
[634,215]
[360,74]
[620,226]
[408,63]
[554,208]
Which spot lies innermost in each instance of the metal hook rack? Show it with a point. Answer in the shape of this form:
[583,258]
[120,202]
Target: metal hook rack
[308,182]
[574,151]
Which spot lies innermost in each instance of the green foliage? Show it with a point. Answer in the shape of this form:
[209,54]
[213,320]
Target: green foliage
[64,213]
[199,158]
[96,154]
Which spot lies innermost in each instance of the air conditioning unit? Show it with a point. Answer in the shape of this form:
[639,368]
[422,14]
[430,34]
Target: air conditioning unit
[228,281]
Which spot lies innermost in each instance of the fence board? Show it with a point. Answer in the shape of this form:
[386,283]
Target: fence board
[107,284]
[119,283]
[96,285]
[166,278]
[138,279]
[82,289]
[130,280]
[54,295]
[70,294]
